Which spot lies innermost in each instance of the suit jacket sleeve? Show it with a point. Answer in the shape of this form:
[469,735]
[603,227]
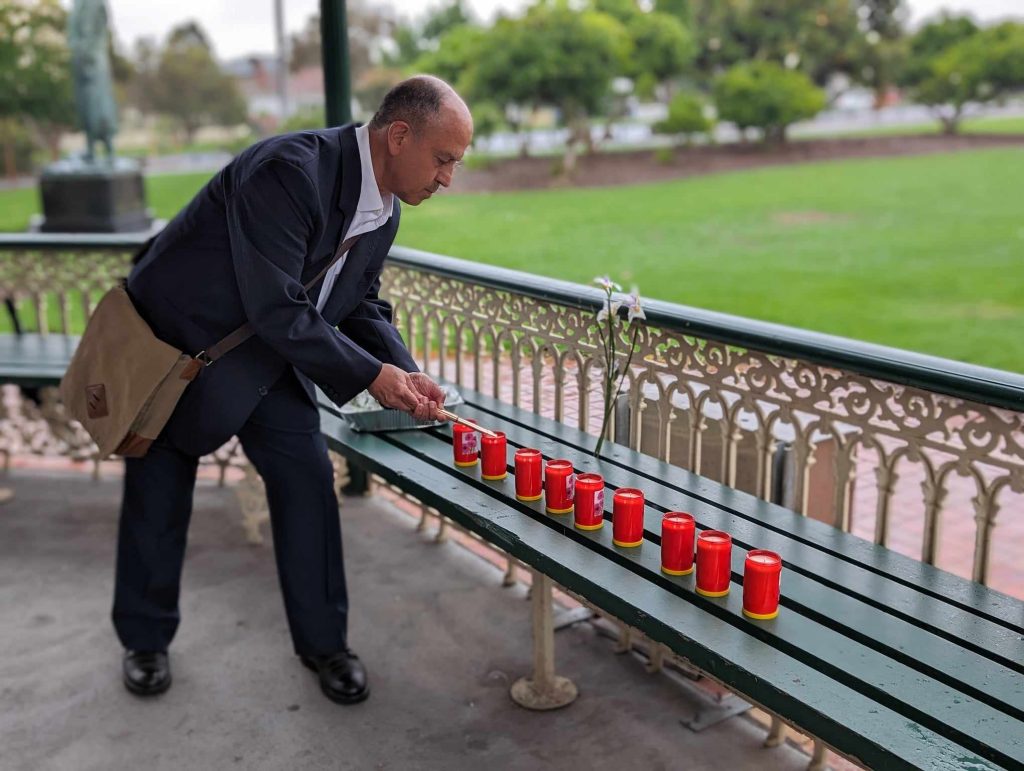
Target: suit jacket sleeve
[371,327]
[271,217]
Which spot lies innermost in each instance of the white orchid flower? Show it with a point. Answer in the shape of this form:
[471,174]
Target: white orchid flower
[607,284]
[636,309]
[611,307]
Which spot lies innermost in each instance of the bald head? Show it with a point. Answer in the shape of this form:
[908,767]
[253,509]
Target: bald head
[420,133]
[422,101]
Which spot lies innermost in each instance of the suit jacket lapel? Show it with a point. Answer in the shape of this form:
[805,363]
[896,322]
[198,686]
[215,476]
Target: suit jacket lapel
[351,179]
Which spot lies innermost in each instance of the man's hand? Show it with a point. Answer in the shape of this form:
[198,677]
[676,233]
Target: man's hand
[431,390]
[394,389]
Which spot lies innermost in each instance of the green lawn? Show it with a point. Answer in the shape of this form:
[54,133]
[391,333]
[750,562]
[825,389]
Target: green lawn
[166,194]
[994,125]
[925,253]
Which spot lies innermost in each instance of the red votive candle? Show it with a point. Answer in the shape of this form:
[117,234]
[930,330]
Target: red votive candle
[559,486]
[495,456]
[529,476]
[677,529]
[762,571]
[466,445]
[628,517]
[589,501]
[714,563]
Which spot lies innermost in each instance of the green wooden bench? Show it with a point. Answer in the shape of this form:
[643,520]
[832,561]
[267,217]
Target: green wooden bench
[891,662]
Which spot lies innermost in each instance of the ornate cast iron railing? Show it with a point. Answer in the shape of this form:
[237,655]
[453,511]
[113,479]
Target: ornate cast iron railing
[886,443]
[919,453]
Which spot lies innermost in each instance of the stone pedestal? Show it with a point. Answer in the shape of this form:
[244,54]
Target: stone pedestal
[93,197]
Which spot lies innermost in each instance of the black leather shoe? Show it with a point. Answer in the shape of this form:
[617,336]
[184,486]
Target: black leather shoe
[342,676]
[146,673]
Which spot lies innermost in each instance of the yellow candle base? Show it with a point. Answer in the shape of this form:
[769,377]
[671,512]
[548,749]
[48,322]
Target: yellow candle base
[494,479]
[706,593]
[761,616]
[529,498]
[628,545]
[598,526]
[466,463]
[677,572]
[559,511]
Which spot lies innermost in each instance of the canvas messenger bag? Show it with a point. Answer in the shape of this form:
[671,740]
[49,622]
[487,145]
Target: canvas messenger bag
[123,382]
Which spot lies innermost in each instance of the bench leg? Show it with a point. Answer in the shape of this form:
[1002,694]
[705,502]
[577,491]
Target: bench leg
[545,690]
[252,498]
[625,643]
[776,733]
[819,760]
[422,524]
[442,529]
[656,660]
[509,579]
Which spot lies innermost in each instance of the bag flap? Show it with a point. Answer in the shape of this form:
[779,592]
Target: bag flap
[116,368]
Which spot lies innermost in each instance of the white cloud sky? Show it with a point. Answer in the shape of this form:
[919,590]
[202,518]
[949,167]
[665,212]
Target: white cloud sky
[243,26]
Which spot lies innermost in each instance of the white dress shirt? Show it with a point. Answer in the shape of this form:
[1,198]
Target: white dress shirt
[371,212]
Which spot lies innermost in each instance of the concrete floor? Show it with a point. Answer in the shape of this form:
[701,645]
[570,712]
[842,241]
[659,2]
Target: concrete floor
[441,638]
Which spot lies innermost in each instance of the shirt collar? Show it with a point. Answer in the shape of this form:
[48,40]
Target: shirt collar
[369,195]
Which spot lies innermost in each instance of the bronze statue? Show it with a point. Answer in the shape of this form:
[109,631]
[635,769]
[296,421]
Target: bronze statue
[89,40]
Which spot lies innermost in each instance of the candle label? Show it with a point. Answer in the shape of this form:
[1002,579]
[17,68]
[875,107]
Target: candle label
[470,443]
[570,487]
[599,504]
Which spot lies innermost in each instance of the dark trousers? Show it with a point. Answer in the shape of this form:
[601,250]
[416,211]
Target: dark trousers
[282,439]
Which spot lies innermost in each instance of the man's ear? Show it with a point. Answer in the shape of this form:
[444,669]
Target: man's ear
[399,135]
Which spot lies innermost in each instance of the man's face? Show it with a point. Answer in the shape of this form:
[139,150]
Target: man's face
[426,159]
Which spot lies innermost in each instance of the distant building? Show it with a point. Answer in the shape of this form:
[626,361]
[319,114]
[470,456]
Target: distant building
[257,78]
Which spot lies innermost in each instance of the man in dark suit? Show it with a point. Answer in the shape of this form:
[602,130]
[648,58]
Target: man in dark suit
[242,250]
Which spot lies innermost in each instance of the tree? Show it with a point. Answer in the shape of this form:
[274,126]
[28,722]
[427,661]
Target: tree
[488,118]
[369,26]
[662,47]
[685,117]
[932,40]
[35,76]
[982,67]
[819,37]
[456,55]
[445,18]
[556,57]
[767,96]
[189,87]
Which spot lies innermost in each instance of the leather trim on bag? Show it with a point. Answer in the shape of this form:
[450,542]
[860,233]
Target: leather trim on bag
[191,370]
[133,446]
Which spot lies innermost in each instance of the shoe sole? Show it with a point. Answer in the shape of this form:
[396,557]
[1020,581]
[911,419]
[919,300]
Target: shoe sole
[344,700]
[138,690]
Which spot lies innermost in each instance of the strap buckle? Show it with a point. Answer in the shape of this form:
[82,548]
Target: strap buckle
[203,358]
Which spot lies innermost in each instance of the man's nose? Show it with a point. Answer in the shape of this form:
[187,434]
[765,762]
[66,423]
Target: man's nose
[444,177]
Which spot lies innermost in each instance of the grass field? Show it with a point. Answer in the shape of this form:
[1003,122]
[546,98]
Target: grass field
[993,125]
[166,194]
[925,253]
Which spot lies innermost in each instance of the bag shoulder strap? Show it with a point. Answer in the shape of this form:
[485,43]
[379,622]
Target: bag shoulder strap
[244,332]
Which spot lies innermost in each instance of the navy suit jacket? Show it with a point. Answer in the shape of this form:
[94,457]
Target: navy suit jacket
[242,250]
